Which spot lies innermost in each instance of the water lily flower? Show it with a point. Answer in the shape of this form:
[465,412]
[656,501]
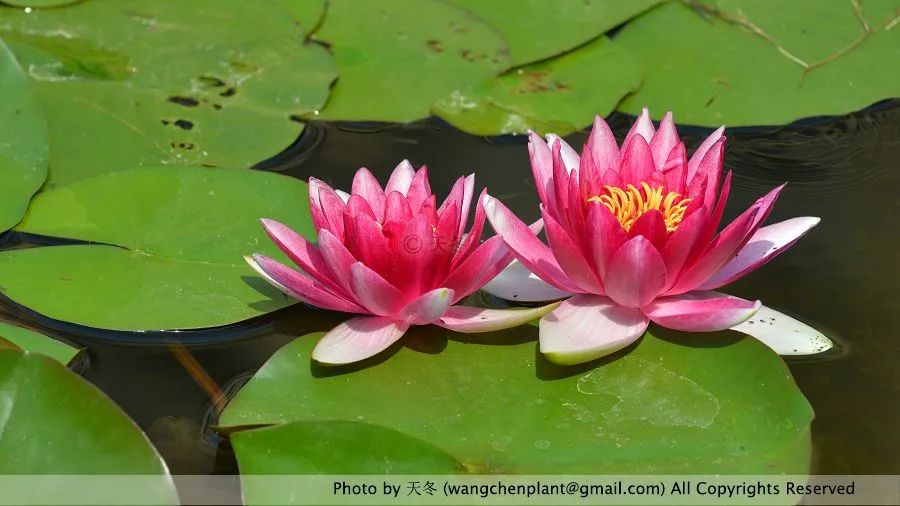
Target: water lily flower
[632,237]
[394,256]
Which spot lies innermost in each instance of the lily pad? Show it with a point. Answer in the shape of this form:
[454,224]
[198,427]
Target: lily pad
[39,3]
[56,423]
[396,57]
[36,342]
[537,29]
[559,95]
[129,83]
[764,62]
[170,253]
[23,141]
[309,13]
[708,404]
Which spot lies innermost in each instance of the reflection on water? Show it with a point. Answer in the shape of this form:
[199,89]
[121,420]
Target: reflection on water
[841,278]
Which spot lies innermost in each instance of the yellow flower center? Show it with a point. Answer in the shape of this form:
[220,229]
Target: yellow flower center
[630,203]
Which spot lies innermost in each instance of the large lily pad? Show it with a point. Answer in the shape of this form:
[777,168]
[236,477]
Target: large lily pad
[309,13]
[23,141]
[171,253]
[129,83]
[559,95]
[764,62]
[537,29]
[56,423]
[707,404]
[396,57]
[36,342]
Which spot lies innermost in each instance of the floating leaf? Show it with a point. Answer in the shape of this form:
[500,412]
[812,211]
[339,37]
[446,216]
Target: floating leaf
[763,62]
[30,340]
[559,95]
[171,254]
[23,141]
[39,3]
[129,83]
[396,57]
[537,29]
[704,404]
[56,423]
[309,13]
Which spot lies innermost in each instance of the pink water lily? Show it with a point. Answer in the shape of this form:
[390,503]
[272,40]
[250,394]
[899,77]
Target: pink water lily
[632,234]
[394,256]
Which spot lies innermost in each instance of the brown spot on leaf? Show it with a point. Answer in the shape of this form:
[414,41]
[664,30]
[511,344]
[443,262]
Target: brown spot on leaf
[435,46]
[184,124]
[229,92]
[185,101]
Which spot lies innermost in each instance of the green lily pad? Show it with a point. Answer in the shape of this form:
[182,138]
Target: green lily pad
[23,141]
[171,254]
[536,29]
[559,95]
[309,13]
[30,340]
[56,423]
[704,404]
[396,57]
[763,62]
[128,83]
[39,3]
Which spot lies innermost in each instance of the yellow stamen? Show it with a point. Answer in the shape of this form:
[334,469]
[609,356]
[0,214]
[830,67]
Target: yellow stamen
[628,204]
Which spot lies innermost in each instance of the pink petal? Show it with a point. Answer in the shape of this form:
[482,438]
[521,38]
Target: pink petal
[468,320]
[315,206]
[663,141]
[303,253]
[700,311]
[637,162]
[473,238]
[767,243]
[683,240]
[419,190]
[715,218]
[400,179]
[643,127]
[569,256]
[517,283]
[636,273]
[698,155]
[366,242]
[338,258]
[710,168]
[428,307]
[414,257]
[358,339]
[534,254]
[299,286]
[570,157]
[560,201]
[374,292]
[652,226]
[541,165]
[603,148]
[468,193]
[332,211]
[675,169]
[606,234]
[397,209]
[445,242]
[587,327]
[488,260]
[356,204]
[343,195]
[366,186]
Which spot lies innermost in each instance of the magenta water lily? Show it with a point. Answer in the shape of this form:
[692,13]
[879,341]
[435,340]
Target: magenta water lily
[632,235]
[393,255]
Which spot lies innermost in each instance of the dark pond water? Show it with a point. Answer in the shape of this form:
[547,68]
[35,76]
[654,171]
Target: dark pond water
[841,278]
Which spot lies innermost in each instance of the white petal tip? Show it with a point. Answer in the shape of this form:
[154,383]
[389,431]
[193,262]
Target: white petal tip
[517,283]
[783,334]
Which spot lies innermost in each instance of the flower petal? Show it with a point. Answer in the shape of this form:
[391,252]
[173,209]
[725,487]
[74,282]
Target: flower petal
[366,186]
[570,156]
[665,138]
[637,162]
[469,319]
[299,286]
[569,256]
[338,258]
[785,335]
[534,254]
[401,178]
[419,190]
[302,252]
[374,292]
[489,259]
[698,155]
[587,327]
[541,165]
[766,244]
[636,273]
[603,148]
[428,307]
[414,257]
[700,311]
[516,282]
[643,127]
[358,339]
[607,236]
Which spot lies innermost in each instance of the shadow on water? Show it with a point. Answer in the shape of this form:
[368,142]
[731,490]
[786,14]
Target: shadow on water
[841,278]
